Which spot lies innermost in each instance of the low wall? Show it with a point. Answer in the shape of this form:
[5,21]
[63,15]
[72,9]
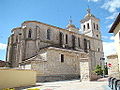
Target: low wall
[57,77]
[10,78]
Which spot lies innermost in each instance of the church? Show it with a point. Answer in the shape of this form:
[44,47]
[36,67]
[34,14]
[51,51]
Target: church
[55,53]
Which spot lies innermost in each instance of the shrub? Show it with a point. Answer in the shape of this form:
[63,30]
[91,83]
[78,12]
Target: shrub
[98,70]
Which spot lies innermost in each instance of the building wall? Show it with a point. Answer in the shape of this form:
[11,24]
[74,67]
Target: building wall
[10,78]
[23,48]
[117,41]
[51,68]
[113,70]
[52,64]
[55,66]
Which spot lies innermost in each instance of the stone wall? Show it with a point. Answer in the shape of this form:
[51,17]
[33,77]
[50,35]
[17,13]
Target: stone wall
[24,48]
[51,68]
[113,69]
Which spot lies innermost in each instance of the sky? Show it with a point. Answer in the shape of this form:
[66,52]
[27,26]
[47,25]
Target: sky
[57,13]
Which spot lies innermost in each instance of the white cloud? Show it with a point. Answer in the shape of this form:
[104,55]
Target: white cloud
[109,48]
[105,37]
[113,16]
[111,5]
[3,46]
[112,38]
[109,26]
[94,0]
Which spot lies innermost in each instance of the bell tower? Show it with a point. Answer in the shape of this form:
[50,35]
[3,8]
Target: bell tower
[90,25]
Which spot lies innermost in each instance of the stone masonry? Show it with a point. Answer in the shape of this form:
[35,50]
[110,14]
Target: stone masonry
[53,51]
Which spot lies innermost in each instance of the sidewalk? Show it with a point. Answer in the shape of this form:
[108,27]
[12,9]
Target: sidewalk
[101,84]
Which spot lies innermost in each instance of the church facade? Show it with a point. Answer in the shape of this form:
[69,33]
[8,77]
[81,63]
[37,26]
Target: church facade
[54,51]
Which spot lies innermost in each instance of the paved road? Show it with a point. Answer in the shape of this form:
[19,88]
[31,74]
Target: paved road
[73,85]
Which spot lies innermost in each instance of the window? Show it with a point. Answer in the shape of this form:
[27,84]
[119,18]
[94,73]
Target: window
[73,41]
[84,27]
[62,58]
[66,39]
[16,38]
[88,26]
[97,35]
[79,42]
[98,50]
[61,38]
[85,45]
[48,34]
[94,25]
[97,26]
[29,33]
[20,33]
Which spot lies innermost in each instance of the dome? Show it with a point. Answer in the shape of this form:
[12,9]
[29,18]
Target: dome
[70,26]
[89,15]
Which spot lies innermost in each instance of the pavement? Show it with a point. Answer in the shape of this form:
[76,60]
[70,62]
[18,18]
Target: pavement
[101,84]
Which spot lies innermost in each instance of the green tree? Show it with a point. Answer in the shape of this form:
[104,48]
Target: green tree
[98,70]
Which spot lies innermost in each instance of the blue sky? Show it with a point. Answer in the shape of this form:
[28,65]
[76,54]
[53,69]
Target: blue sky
[57,13]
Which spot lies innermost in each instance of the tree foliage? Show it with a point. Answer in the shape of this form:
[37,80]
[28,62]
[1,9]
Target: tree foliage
[98,70]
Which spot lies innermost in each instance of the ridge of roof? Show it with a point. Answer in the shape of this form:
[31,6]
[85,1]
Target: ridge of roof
[116,22]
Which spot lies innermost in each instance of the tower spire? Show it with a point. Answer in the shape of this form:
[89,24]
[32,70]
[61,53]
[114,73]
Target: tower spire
[88,10]
[70,20]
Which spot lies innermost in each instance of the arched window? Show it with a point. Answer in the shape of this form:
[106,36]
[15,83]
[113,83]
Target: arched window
[88,26]
[97,26]
[73,41]
[79,42]
[94,25]
[30,33]
[48,34]
[85,45]
[66,39]
[61,38]
[16,38]
[84,27]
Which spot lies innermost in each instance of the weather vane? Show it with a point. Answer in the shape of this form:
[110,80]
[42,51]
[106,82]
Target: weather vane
[88,10]
[70,20]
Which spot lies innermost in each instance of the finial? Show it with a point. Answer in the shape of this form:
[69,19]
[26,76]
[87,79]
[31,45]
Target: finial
[70,20]
[88,10]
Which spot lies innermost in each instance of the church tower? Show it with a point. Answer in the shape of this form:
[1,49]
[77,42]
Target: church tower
[90,25]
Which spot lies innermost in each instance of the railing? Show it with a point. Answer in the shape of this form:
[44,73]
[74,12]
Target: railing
[114,83]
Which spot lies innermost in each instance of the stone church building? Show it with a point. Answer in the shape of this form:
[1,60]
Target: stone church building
[53,51]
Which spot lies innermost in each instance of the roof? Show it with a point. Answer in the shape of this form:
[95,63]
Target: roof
[112,56]
[53,27]
[16,28]
[42,23]
[116,22]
